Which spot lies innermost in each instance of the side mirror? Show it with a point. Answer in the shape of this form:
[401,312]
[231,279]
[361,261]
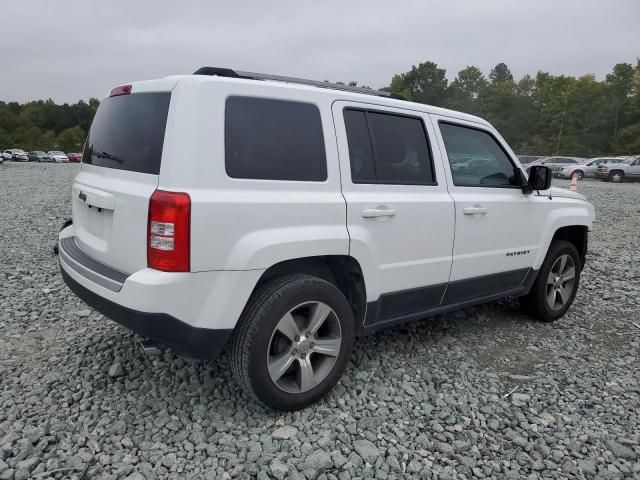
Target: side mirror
[539,178]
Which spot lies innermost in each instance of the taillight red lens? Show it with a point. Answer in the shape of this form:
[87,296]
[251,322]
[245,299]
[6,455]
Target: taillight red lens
[121,90]
[168,231]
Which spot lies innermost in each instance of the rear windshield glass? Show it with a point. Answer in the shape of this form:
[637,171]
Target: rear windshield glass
[127,132]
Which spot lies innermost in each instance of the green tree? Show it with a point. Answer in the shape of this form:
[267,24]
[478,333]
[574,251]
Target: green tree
[71,139]
[425,83]
[500,73]
[467,91]
[620,84]
[628,141]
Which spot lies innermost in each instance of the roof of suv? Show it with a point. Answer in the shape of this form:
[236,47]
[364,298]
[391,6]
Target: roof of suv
[316,88]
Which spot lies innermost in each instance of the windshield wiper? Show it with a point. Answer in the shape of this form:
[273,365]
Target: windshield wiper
[108,156]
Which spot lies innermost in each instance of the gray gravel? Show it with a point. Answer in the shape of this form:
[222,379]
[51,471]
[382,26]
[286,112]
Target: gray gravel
[77,399]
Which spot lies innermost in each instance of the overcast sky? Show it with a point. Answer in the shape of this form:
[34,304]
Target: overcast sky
[67,50]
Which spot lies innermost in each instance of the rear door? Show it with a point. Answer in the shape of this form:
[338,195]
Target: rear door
[400,217]
[119,173]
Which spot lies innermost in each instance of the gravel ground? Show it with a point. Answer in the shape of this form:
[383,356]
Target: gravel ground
[431,400]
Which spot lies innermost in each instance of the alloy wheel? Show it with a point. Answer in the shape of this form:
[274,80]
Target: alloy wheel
[561,281]
[304,347]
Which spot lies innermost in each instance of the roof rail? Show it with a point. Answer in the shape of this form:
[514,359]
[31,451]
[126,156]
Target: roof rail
[227,72]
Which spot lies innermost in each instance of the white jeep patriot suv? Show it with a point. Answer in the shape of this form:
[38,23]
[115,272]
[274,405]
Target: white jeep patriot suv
[285,218]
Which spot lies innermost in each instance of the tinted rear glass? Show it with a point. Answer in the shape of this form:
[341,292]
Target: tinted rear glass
[274,140]
[127,132]
[388,148]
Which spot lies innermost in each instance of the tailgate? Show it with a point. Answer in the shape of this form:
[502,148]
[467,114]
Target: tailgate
[110,216]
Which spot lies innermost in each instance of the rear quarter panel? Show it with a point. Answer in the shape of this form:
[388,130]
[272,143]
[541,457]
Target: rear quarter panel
[243,224]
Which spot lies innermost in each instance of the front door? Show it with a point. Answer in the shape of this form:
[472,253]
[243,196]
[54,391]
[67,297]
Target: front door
[497,226]
[634,169]
[400,216]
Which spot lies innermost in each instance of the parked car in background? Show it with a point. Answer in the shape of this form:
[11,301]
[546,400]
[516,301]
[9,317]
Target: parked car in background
[38,156]
[15,154]
[74,157]
[586,169]
[628,169]
[556,163]
[58,157]
[526,159]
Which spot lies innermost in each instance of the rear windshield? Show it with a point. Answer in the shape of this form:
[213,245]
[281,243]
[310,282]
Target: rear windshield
[127,132]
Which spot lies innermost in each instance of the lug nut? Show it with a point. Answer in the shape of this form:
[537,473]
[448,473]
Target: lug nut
[313,344]
[294,351]
[297,338]
[302,355]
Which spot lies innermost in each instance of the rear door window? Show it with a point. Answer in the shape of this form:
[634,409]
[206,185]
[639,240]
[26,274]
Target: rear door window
[388,148]
[269,139]
[127,132]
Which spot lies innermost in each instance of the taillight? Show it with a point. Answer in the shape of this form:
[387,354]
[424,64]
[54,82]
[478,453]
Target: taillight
[168,231]
[121,90]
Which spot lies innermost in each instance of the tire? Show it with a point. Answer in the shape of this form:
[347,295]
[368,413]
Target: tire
[259,341]
[538,301]
[616,176]
[579,174]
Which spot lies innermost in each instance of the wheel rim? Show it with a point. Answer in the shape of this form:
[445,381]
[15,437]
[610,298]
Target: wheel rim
[579,175]
[561,281]
[304,347]
[616,177]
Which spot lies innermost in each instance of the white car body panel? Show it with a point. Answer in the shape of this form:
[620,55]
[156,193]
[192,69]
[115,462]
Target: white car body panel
[483,241]
[202,299]
[117,235]
[397,262]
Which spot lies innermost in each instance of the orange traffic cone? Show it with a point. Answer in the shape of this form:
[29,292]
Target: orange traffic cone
[574,183]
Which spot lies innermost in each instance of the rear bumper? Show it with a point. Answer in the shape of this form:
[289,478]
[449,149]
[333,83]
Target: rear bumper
[184,339]
[193,312]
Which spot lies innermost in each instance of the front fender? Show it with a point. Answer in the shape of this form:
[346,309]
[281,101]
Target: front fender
[581,214]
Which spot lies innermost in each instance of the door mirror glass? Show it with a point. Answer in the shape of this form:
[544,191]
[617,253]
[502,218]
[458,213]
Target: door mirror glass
[540,177]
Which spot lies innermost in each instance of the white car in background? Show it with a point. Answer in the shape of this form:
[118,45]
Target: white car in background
[588,168]
[58,157]
[15,154]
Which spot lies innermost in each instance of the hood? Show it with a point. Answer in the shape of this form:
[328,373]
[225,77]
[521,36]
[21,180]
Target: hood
[565,193]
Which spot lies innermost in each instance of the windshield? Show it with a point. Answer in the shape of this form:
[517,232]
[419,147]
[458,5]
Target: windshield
[57,153]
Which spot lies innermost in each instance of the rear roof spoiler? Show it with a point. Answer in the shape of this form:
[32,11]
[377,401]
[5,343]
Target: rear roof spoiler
[229,73]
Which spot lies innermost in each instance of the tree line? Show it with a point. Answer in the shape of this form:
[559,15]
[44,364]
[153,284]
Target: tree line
[44,125]
[546,114]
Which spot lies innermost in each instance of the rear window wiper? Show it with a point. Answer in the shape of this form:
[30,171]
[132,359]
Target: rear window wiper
[108,156]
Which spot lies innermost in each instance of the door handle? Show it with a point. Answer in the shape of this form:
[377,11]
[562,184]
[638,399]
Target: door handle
[475,210]
[377,212]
